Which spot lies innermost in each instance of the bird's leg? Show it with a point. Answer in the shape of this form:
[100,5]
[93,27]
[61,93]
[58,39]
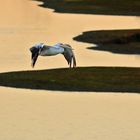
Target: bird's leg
[70,62]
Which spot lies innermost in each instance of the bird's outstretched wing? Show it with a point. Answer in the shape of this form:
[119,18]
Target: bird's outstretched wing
[69,55]
[34,56]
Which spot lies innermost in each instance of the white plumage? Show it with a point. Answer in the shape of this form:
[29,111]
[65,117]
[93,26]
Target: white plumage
[45,50]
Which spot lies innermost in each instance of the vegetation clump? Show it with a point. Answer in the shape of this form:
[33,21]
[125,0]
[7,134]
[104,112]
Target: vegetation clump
[96,79]
[115,41]
[107,7]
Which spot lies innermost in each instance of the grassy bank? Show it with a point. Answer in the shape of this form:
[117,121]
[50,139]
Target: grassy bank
[100,79]
[115,41]
[108,7]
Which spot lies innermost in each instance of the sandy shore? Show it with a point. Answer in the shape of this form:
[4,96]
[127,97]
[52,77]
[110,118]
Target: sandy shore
[39,115]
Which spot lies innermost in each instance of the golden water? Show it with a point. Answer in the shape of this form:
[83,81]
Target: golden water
[23,24]
[39,115]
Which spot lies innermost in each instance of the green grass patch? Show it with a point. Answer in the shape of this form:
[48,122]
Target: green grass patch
[115,41]
[99,79]
[110,7]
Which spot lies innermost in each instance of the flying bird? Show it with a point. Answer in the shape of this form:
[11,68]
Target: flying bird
[44,50]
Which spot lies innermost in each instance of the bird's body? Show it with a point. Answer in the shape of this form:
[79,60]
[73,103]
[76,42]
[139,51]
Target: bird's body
[44,50]
[51,50]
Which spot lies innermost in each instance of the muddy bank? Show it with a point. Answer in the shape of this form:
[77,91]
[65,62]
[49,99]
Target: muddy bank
[99,79]
[115,41]
[104,7]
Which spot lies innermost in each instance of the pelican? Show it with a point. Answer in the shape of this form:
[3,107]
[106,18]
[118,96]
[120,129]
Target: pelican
[44,50]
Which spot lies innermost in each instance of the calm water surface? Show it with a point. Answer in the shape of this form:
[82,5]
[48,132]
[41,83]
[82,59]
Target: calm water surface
[39,115]
[23,23]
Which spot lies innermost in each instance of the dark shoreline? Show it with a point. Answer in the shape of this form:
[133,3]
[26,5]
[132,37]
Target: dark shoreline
[83,79]
[115,41]
[104,7]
